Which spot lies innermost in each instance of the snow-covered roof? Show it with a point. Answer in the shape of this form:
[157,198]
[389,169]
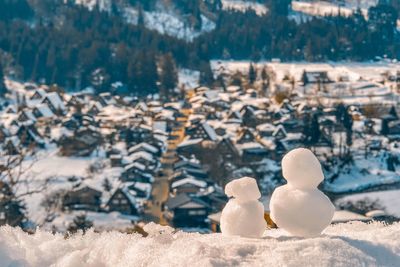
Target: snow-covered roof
[141,154]
[189,180]
[45,110]
[143,146]
[210,131]
[190,142]
[55,100]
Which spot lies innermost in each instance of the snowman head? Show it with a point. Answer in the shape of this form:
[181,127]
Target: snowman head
[243,189]
[302,170]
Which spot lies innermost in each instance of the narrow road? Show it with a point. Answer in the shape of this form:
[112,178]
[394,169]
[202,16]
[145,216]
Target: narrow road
[160,191]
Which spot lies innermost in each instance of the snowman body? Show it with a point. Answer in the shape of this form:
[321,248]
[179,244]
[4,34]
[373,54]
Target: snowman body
[243,215]
[299,207]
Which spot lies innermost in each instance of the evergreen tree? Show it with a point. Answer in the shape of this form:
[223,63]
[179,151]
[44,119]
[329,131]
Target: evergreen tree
[12,210]
[3,88]
[80,222]
[107,185]
[141,16]
[169,75]
[307,130]
[252,74]
[264,74]
[315,130]
[385,127]
[393,112]
[206,74]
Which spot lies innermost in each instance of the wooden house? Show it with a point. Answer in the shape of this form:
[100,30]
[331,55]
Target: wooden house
[315,77]
[227,150]
[4,133]
[55,103]
[29,135]
[122,201]
[249,117]
[38,94]
[188,185]
[202,131]
[280,132]
[26,115]
[186,211]
[83,198]
[245,136]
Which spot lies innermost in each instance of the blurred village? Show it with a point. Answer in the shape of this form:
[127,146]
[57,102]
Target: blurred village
[72,161]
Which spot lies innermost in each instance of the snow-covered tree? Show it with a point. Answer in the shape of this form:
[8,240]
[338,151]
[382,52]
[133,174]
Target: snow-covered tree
[80,222]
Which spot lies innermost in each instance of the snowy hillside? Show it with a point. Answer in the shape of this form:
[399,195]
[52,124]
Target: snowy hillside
[165,19]
[169,23]
[239,5]
[353,244]
[103,4]
[388,200]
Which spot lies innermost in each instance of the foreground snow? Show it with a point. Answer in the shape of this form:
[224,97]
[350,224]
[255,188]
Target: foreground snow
[354,244]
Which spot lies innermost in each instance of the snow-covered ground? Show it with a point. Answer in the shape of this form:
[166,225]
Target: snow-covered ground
[52,172]
[362,81]
[371,71]
[389,200]
[352,244]
[188,78]
[103,4]
[169,23]
[243,6]
[320,8]
[326,8]
[303,10]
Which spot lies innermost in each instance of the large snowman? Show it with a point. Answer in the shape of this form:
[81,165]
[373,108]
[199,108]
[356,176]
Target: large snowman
[243,215]
[299,207]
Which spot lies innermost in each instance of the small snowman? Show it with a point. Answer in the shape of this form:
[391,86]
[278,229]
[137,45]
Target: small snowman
[299,207]
[243,215]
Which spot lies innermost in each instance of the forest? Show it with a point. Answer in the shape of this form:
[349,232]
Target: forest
[63,43]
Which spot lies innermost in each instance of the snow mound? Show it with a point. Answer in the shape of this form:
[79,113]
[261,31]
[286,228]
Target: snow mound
[354,244]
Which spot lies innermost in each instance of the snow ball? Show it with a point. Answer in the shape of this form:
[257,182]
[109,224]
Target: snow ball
[243,215]
[304,213]
[243,219]
[301,168]
[243,189]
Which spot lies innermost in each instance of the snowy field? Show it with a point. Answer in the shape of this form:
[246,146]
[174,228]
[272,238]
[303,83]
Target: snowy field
[371,71]
[362,81]
[389,200]
[320,8]
[325,8]
[302,10]
[352,244]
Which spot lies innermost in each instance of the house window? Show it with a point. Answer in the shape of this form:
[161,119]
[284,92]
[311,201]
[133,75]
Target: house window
[115,202]
[197,212]
[124,201]
[2,215]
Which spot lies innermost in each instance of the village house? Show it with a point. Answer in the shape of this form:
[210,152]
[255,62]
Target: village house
[123,201]
[83,198]
[186,211]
